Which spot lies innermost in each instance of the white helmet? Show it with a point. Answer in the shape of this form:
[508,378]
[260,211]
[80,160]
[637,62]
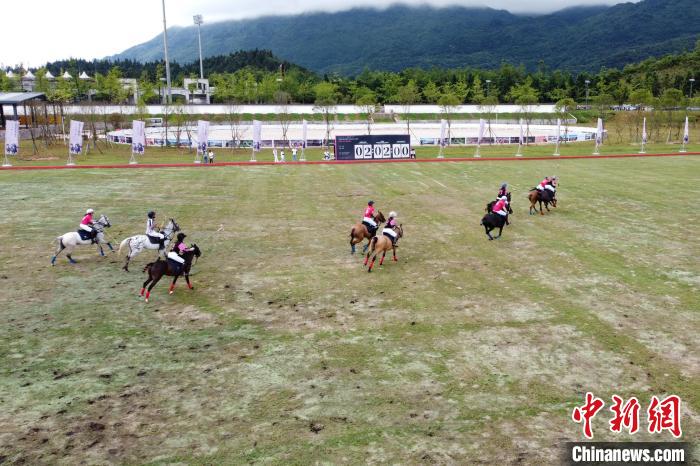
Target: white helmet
[89,211]
[504,198]
[392,214]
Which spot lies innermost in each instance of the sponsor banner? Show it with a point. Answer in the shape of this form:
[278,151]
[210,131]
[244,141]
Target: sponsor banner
[202,135]
[76,137]
[303,134]
[257,133]
[372,147]
[138,137]
[11,137]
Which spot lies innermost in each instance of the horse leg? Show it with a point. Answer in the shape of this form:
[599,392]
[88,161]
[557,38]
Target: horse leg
[541,211]
[59,248]
[172,285]
[488,232]
[393,250]
[187,279]
[371,264]
[99,247]
[143,287]
[148,292]
[366,247]
[381,261]
[110,246]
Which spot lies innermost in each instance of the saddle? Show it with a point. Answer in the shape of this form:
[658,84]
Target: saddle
[153,239]
[175,266]
[87,236]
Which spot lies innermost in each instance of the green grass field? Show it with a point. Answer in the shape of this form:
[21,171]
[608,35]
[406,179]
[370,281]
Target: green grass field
[288,352]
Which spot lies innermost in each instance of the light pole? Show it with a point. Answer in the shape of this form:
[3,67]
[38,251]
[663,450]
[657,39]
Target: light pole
[169,99]
[692,80]
[587,81]
[488,87]
[198,21]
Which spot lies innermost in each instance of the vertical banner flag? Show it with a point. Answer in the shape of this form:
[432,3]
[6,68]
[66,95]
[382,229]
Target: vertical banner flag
[644,131]
[443,130]
[76,137]
[599,132]
[257,131]
[481,131]
[202,136]
[11,137]
[686,136]
[138,137]
[303,134]
[522,139]
[558,129]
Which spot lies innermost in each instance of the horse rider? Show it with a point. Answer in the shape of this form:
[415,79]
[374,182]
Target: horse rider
[368,219]
[86,225]
[503,191]
[152,232]
[177,253]
[388,230]
[549,183]
[501,207]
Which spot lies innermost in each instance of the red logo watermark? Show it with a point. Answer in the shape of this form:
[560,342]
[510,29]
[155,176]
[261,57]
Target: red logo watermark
[661,415]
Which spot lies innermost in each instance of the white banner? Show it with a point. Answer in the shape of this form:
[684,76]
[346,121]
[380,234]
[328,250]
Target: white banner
[644,131]
[599,132]
[443,131]
[686,135]
[11,137]
[257,134]
[202,136]
[522,139]
[558,129]
[481,131]
[76,137]
[303,133]
[138,137]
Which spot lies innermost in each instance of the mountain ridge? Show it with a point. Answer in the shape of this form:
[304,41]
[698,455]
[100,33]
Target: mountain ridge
[574,39]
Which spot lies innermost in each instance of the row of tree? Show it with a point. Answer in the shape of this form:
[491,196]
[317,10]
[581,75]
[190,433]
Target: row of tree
[258,77]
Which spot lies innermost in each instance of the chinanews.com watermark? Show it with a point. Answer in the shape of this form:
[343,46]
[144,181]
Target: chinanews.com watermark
[662,415]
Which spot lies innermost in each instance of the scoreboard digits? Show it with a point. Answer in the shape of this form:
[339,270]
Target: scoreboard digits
[372,147]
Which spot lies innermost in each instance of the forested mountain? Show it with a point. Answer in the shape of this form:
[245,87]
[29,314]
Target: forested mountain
[575,39]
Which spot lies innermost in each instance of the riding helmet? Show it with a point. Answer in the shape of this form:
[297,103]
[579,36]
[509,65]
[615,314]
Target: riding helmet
[151,214]
[181,236]
[89,211]
[392,214]
[370,203]
[504,185]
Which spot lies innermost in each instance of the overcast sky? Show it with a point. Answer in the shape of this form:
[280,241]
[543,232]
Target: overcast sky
[37,31]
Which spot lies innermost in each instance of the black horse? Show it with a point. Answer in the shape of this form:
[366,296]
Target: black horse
[489,207]
[492,221]
[157,269]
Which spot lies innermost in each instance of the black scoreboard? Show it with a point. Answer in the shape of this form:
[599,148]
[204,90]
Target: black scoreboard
[372,147]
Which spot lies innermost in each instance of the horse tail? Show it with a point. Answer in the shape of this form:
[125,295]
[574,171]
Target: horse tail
[122,244]
[352,233]
[148,266]
[373,242]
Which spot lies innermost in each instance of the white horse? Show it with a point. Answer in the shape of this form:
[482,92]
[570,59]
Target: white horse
[72,239]
[138,243]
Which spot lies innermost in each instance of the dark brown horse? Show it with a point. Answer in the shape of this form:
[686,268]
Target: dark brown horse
[381,244]
[157,269]
[360,232]
[545,196]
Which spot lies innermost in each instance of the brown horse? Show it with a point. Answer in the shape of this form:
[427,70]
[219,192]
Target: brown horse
[157,269]
[359,232]
[536,196]
[381,244]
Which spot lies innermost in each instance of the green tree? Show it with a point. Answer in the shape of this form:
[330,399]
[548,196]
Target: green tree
[367,103]
[407,95]
[431,92]
[449,103]
[326,102]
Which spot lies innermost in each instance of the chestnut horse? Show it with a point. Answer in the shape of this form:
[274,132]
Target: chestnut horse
[381,244]
[157,269]
[545,196]
[359,232]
